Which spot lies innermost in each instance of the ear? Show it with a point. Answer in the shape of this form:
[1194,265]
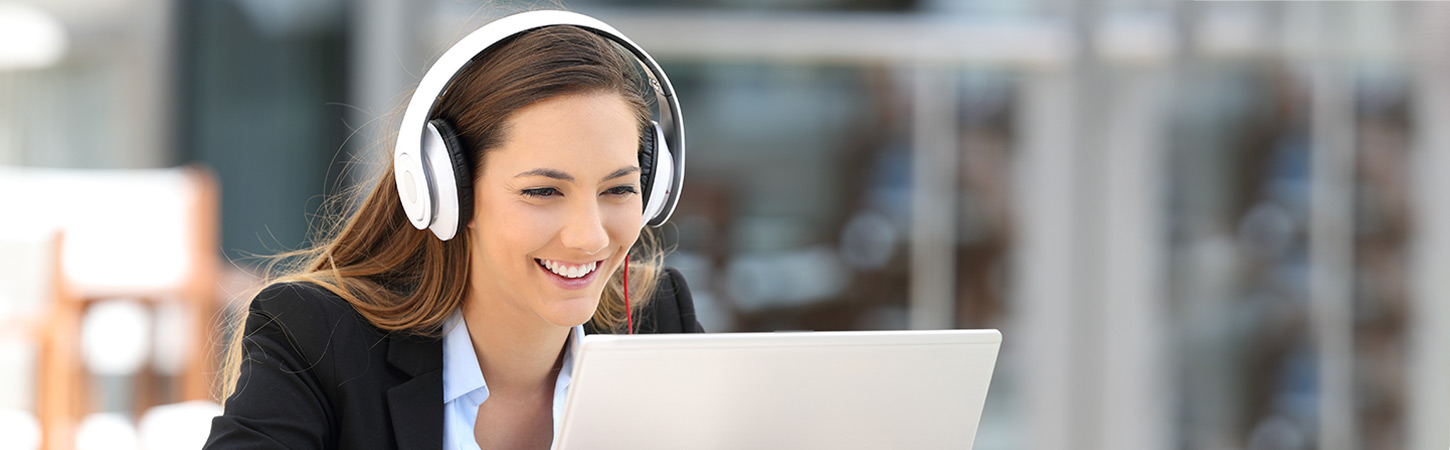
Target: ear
[472,215]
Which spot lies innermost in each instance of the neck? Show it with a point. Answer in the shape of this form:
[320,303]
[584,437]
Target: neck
[518,352]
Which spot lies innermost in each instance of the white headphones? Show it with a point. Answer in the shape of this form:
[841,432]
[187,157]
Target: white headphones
[433,179]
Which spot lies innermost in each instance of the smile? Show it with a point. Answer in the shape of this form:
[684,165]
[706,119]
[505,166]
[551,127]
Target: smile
[566,270]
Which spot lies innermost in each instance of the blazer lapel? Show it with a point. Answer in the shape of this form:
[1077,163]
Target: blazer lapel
[416,405]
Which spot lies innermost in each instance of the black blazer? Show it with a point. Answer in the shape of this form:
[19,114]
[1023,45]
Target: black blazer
[316,375]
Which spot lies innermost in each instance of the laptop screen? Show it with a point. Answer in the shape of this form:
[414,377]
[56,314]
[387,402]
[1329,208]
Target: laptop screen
[805,390]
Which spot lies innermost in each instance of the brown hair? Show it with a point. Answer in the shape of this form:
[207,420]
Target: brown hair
[405,280]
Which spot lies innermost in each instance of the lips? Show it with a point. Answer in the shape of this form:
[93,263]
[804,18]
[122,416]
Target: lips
[569,276]
[567,270]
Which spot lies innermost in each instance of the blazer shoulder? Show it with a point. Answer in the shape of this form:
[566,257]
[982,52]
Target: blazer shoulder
[674,289]
[311,316]
[308,356]
[674,306]
[296,295]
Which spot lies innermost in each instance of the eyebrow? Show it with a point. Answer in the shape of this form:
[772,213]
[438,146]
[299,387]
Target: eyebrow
[622,172]
[550,173]
[558,175]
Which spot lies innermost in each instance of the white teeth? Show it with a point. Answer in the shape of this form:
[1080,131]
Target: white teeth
[567,271]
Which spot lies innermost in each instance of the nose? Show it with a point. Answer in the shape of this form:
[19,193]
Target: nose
[584,229]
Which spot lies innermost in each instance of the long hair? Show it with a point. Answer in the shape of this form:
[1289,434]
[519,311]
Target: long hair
[405,280]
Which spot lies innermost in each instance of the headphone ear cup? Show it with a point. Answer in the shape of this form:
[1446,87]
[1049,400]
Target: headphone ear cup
[648,160]
[657,206]
[459,160]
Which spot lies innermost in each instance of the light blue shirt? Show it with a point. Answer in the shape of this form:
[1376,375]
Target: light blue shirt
[464,389]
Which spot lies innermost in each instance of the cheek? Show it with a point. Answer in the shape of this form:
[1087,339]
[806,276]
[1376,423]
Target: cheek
[517,229]
[623,222]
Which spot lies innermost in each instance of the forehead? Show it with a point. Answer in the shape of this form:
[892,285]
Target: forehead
[581,131]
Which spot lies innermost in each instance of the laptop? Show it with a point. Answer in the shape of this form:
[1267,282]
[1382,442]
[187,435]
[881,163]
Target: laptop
[796,390]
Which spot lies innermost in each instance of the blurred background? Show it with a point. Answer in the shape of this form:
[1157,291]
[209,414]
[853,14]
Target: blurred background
[1199,225]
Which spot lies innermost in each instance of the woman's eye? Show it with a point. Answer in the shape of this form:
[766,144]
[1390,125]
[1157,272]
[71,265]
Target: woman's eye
[541,192]
[621,190]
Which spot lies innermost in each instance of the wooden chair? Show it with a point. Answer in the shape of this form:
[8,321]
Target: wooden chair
[28,283]
[150,235]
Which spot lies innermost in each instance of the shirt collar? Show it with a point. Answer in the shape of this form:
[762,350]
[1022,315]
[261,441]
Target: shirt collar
[461,374]
[566,375]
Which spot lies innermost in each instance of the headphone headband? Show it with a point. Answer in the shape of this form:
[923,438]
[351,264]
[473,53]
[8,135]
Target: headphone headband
[411,172]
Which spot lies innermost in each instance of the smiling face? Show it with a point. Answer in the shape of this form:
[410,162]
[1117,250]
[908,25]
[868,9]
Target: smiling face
[556,209]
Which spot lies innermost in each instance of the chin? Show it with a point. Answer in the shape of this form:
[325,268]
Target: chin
[571,312]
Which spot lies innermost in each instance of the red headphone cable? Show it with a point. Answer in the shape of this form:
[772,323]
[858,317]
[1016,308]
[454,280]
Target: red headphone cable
[628,316]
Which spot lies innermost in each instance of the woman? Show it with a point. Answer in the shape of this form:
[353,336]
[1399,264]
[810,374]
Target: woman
[394,337]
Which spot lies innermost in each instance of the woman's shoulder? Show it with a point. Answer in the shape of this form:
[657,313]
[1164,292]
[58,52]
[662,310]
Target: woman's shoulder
[674,292]
[673,308]
[301,298]
[307,312]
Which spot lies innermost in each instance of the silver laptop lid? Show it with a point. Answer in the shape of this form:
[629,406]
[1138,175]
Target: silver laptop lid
[811,390]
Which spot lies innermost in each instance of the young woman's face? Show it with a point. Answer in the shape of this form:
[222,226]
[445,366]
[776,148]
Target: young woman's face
[556,208]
